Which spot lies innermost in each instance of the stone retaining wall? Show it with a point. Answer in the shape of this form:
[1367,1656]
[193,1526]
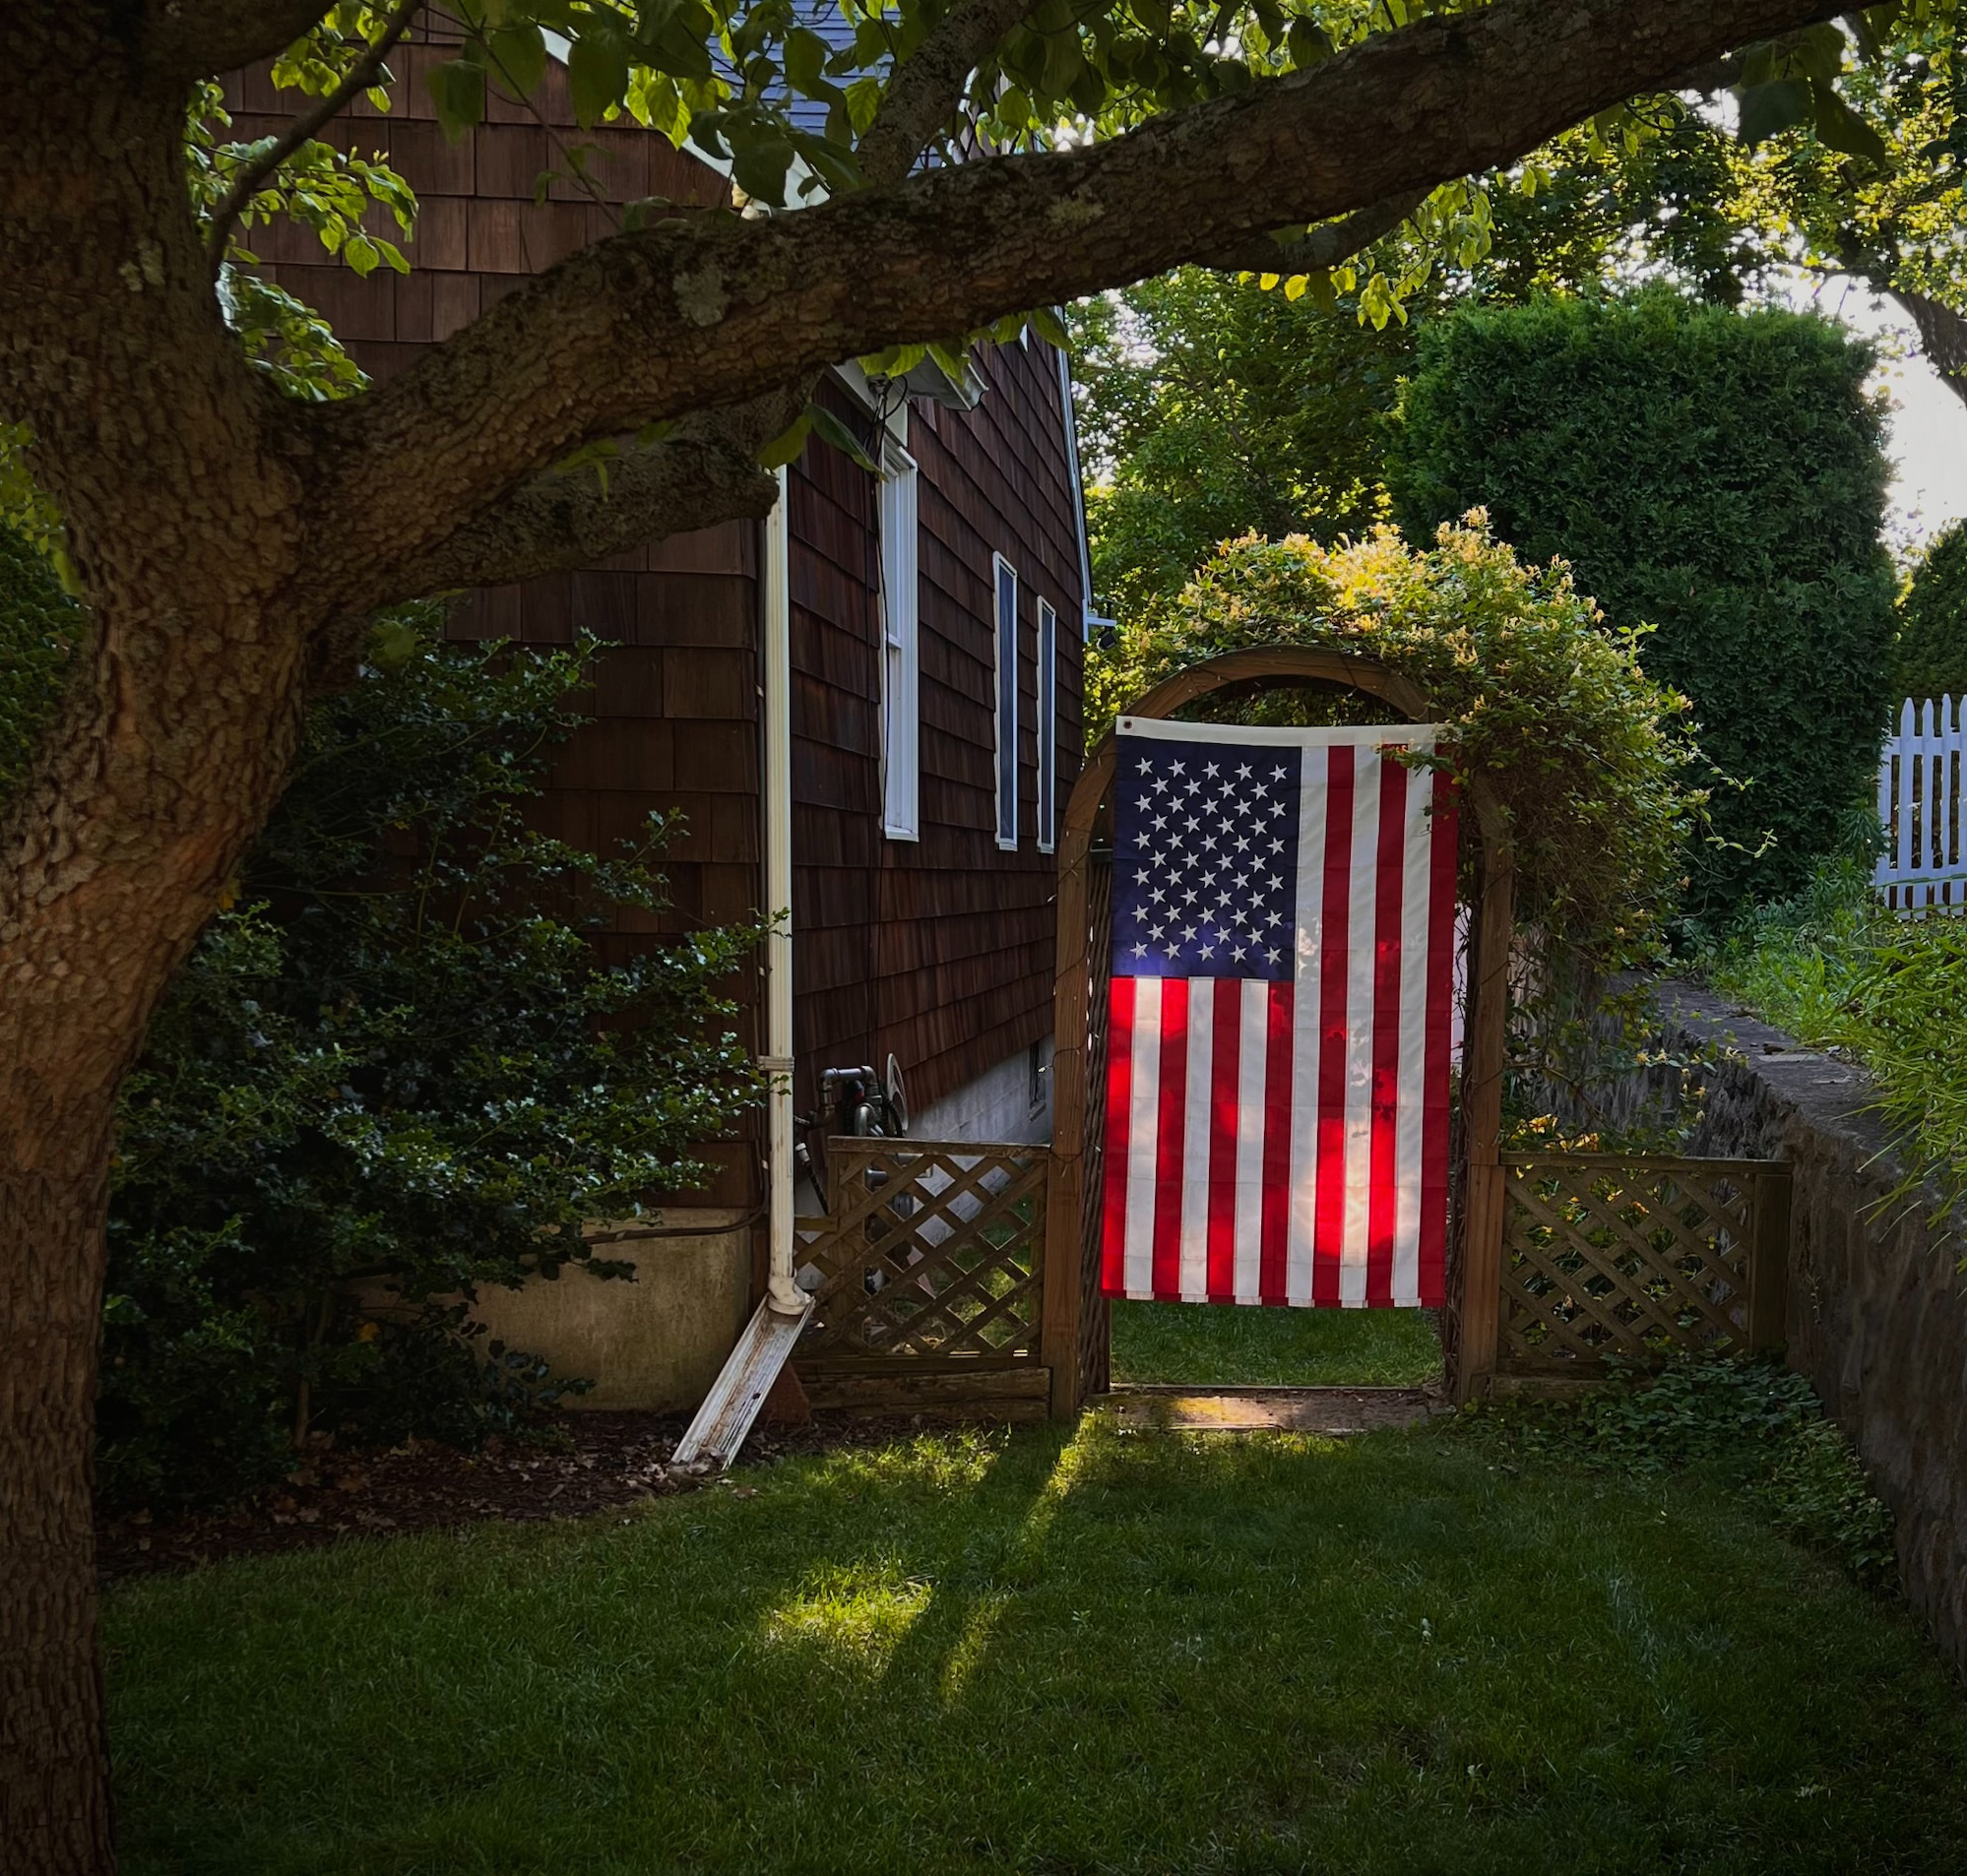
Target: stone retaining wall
[1878,1319]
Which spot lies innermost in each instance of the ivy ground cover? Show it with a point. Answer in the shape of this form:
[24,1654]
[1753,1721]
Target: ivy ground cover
[1052,1652]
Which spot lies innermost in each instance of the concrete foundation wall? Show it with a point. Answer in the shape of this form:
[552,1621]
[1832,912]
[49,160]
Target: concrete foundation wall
[997,1106]
[1876,1317]
[655,1343]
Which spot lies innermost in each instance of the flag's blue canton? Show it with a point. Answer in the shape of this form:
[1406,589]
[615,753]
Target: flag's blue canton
[1205,859]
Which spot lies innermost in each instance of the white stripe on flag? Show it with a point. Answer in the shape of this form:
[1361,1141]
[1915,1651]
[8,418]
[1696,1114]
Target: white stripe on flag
[1363,913]
[1313,783]
[1414,921]
[1252,1059]
[1195,1172]
[1143,1131]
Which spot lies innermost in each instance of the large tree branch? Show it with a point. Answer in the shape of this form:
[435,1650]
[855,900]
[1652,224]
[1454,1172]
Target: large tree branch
[694,315]
[704,473]
[929,85]
[186,40]
[1320,247]
[1943,335]
[359,78]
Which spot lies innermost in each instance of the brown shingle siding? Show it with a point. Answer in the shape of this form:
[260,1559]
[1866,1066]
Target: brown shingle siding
[938,950]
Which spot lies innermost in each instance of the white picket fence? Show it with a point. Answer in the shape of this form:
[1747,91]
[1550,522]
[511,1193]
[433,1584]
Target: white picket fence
[1921,795]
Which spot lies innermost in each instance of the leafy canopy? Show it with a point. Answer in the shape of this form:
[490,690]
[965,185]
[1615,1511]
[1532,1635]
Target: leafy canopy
[1210,409]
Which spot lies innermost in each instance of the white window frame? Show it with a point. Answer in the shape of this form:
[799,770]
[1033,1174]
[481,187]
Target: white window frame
[1047,726]
[900,646]
[1004,696]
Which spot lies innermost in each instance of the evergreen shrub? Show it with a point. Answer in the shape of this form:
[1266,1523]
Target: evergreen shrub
[1929,658]
[1716,476]
[394,1071]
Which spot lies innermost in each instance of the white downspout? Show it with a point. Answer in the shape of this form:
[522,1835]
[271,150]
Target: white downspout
[781,1291]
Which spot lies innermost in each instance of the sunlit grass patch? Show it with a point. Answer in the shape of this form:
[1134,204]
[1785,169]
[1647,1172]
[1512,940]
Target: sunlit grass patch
[856,1616]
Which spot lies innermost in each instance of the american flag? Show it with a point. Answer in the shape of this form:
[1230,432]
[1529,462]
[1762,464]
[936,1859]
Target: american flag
[1277,1092]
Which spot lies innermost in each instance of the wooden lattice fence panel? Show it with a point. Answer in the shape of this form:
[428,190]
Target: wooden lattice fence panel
[1095,1352]
[1633,1257]
[934,1252]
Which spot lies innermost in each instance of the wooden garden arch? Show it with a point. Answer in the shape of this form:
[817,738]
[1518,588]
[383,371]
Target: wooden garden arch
[1074,1324]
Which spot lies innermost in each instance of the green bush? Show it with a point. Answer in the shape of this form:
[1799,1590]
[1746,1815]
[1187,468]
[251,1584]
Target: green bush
[1929,658]
[1714,474]
[1753,1423]
[1836,969]
[1583,750]
[390,1073]
[40,626]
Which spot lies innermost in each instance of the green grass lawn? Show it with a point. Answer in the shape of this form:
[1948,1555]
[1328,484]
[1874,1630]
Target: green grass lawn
[1274,1347]
[1111,1653]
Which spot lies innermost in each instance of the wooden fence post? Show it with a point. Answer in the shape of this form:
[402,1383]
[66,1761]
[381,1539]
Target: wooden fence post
[1060,1323]
[1484,1048]
[1769,1262]
[1065,1230]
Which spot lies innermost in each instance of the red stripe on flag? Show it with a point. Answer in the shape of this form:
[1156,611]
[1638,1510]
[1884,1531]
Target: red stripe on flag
[1119,1105]
[1273,1284]
[1329,1214]
[1442,855]
[1168,1157]
[1383,1189]
[1223,1105]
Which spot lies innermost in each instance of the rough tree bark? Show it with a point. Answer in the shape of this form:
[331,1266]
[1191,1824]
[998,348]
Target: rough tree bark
[1943,335]
[223,540]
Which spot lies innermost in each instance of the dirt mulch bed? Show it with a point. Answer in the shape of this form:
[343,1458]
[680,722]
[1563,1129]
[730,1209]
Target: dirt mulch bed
[590,1462]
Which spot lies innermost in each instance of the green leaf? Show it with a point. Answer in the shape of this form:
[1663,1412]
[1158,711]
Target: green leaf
[1309,43]
[597,77]
[786,447]
[830,430]
[457,90]
[1046,323]
[758,167]
[1768,109]
[518,55]
[1841,128]
[1819,53]
[805,57]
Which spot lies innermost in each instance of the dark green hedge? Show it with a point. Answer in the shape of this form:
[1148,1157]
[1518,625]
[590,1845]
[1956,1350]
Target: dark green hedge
[1714,474]
[38,624]
[1930,656]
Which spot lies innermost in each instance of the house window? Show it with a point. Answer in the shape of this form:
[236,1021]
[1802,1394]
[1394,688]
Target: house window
[900,666]
[1007,702]
[1048,724]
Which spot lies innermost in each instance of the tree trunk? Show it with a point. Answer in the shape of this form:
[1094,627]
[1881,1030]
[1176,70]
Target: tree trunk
[186,523]
[1943,335]
[53,1758]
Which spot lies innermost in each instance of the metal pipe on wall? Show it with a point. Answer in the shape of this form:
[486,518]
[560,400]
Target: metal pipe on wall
[776,790]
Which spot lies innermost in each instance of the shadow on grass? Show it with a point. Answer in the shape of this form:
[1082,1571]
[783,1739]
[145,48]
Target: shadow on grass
[1111,1651]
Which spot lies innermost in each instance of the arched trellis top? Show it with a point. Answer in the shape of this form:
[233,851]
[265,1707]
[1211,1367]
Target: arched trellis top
[1073,1328]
